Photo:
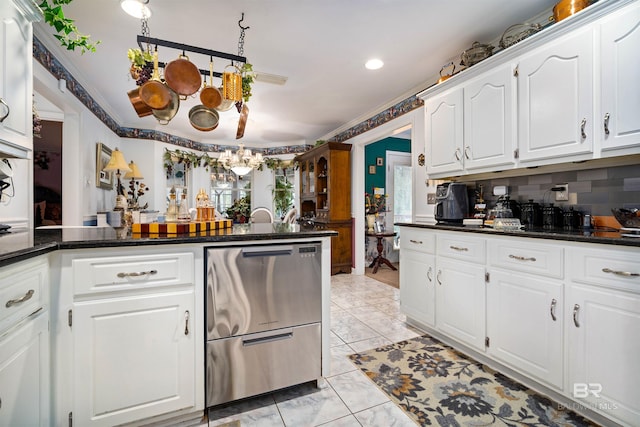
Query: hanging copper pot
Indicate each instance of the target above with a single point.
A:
(210, 96)
(182, 76)
(153, 92)
(165, 115)
(141, 108)
(566, 8)
(203, 118)
(225, 104)
(242, 122)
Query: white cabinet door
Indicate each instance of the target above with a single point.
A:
(619, 117)
(417, 290)
(444, 132)
(16, 78)
(490, 119)
(555, 99)
(525, 324)
(134, 357)
(603, 329)
(460, 301)
(24, 374)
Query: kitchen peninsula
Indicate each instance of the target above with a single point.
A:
(87, 299)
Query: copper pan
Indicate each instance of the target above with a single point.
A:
(203, 118)
(141, 108)
(165, 115)
(182, 76)
(566, 8)
(153, 93)
(210, 96)
(242, 122)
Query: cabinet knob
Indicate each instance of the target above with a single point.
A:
(466, 152)
(25, 297)
(429, 274)
(186, 322)
(620, 273)
(438, 277)
(8, 110)
(606, 124)
(457, 154)
(583, 123)
(576, 310)
(552, 309)
(138, 274)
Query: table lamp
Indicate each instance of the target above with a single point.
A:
(117, 163)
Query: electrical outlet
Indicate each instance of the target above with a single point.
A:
(562, 195)
(431, 198)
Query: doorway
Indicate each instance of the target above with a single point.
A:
(47, 174)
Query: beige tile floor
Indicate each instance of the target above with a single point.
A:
(364, 314)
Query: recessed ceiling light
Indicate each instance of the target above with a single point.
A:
(374, 64)
(136, 8)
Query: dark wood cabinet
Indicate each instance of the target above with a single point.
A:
(325, 195)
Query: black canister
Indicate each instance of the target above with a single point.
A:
(552, 216)
(531, 214)
(572, 219)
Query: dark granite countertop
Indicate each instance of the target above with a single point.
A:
(21, 244)
(600, 236)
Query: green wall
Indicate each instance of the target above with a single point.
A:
(379, 149)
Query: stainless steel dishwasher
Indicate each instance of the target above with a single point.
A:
(263, 314)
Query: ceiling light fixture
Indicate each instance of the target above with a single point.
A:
(374, 64)
(242, 161)
(136, 8)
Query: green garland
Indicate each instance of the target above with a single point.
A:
(191, 159)
(68, 34)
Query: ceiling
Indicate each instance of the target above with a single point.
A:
(320, 46)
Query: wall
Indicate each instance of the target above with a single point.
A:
(378, 150)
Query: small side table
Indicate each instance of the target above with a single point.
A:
(380, 259)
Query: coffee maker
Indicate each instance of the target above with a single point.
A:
(452, 202)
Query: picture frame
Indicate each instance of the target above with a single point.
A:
(104, 179)
(379, 161)
(372, 169)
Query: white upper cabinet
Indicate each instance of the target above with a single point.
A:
(490, 119)
(555, 98)
(619, 116)
(444, 132)
(16, 84)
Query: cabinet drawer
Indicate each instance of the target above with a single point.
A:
(528, 257)
(461, 246)
(23, 290)
(109, 274)
(420, 240)
(611, 267)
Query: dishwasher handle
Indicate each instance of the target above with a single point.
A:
(264, 252)
(267, 337)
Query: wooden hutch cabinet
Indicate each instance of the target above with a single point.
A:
(325, 195)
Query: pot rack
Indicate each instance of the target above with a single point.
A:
(188, 48)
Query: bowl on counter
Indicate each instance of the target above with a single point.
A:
(628, 218)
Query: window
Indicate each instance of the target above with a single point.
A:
(177, 178)
(283, 194)
(226, 187)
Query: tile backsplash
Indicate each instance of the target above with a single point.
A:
(592, 191)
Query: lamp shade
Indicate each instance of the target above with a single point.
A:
(134, 173)
(136, 8)
(117, 162)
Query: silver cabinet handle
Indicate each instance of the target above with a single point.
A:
(620, 273)
(8, 110)
(466, 152)
(576, 309)
(521, 258)
(417, 242)
(583, 123)
(25, 297)
(429, 274)
(186, 322)
(606, 124)
(552, 309)
(138, 274)
(458, 248)
(457, 154)
(438, 277)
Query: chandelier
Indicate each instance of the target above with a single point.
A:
(242, 161)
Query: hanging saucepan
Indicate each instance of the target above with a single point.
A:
(242, 122)
(226, 104)
(165, 115)
(210, 96)
(153, 92)
(203, 118)
(141, 108)
(182, 76)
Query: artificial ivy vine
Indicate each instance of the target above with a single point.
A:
(68, 34)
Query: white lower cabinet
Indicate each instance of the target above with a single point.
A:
(417, 289)
(133, 357)
(24, 374)
(525, 324)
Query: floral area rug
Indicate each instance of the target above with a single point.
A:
(437, 385)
